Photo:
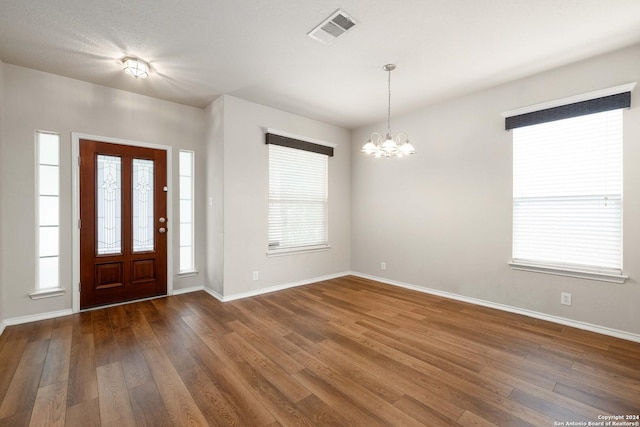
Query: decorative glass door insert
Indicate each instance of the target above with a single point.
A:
(143, 227)
(109, 205)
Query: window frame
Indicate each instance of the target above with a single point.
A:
(56, 290)
(559, 109)
(192, 270)
(297, 142)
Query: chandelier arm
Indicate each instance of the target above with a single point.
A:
(398, 137)
(376, 138)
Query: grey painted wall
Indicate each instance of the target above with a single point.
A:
(215, 195)
(35, 100)
(442, 218)
(2, 250)
(245, 196)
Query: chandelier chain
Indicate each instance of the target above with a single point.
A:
(389, 103)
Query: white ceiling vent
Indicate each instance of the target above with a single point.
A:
(332, 27)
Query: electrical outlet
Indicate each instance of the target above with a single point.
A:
(255, 275)
(565, 298)
(383, 265)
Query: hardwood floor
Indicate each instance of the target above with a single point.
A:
(343, 352)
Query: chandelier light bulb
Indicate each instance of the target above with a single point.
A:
(369, 148)
(407, 148)
(389, 145)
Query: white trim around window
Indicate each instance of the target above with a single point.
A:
(47, 170)
(567, 188)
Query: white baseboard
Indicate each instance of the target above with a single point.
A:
(214, 294)
(529, 313)
(187, 290)
(276, 288)
(34, 318)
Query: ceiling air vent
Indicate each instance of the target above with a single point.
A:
(332, 27)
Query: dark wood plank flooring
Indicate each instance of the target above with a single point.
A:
(344, 352)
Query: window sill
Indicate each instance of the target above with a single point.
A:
(188, 273)
(47, 293)
(293, 251)
(567, 271)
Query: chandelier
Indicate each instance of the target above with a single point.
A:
(391, 146)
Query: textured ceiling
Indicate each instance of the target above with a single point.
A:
(258, 49)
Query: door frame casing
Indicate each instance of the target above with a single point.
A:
(75, 195)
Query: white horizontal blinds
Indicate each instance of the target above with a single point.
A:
(567, 191)
(297, 198)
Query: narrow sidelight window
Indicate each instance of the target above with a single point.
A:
(187, 262)
(48, 190)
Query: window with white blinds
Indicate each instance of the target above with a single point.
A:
(567, 192)
(297, 199)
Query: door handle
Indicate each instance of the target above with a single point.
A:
(161, 219)
(162, 230)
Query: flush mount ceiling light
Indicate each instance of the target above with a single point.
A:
(135, 67)
(391, 146)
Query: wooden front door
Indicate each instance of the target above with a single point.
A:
(123, 223)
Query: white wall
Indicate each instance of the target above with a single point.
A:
(246, 200)
(35, 100)
(215, 195)
(2, 250)
(442, 218)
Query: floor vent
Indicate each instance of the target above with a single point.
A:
(332, 27)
